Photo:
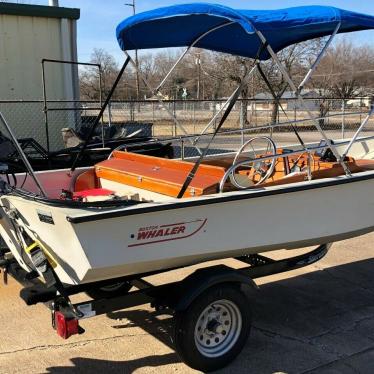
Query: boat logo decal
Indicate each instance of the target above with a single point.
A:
(164, 233)
(45, 217)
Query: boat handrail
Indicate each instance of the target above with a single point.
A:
(233, 167)
(268, 126)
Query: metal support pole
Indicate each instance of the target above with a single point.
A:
(363, 124)
(238, 91)
(102, 110)
(137, 79)
(318, 60)
(242, 121)
(101, 104)
(133, 6)
(100, 85)
(109, 114)
(45, 110)
(157, 90)
(182, 149)
(280, 105)
(44, 83)
(176, 122)
(198, 63)
(212, 121)
(302, 102)
(175, 116)
(343, 119)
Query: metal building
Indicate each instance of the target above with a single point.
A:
(28, 34)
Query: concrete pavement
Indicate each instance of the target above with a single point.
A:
(319, 319)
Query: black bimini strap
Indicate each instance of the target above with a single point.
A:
(198, 162)
(275, 97)
(233, 100)
(102, 110)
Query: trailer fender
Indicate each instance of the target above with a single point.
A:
(202, 279)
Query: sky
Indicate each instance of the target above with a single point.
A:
(99, 18)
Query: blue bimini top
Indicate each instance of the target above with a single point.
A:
(181, 25)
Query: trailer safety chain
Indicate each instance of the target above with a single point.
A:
(4, 270)
(64, 295)
(45, 264)
(4, 264)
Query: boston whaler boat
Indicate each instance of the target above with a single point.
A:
(100, 230)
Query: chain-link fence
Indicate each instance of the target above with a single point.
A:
(339, 118)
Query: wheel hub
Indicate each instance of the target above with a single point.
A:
(218, 328)
(214, 327)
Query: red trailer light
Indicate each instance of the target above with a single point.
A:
(65, 326)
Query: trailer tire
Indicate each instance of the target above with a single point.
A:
(109, 291)
(213, 330)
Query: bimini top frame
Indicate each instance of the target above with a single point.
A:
(255, 34)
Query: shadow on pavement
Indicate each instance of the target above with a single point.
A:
(320, 322)
(84, 365)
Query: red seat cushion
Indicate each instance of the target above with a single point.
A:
(93, 192)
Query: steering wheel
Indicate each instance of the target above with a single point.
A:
(261, 168)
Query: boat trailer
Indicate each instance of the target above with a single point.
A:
(225, 295)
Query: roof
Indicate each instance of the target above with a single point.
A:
(38, 11)
(307, 93)
(181, 25)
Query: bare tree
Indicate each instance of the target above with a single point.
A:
(89, 77)
(340, 74)
(220, 74)
(342, 59)
(228, 72)
(296, 59)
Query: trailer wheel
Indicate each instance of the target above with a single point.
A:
(213, 330)
(109, 291)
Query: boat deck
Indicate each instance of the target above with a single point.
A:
(148, 178)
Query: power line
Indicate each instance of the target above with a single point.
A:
(343, 73)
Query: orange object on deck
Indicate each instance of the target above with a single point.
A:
(158, 175)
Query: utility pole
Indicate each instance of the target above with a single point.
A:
(133, 6)
(198, 63)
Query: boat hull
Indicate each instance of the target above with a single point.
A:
(130, 241)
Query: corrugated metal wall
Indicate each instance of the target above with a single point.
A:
(24, 42)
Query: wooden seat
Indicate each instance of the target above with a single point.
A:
(158, 175)
(365, 164)
(325, 170)
(166, 177)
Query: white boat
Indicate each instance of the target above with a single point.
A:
(132, 214)
(100, 230)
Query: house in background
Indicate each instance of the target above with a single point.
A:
(288, 101)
